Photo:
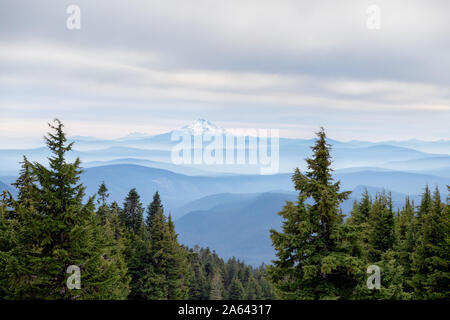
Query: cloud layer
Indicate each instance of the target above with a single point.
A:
(152, 65)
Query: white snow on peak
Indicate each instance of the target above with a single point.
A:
(202, 126)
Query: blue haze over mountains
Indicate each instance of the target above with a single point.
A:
(231, 208)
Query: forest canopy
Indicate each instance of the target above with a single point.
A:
(131, 251)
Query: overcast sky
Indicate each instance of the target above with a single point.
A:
(152, 66)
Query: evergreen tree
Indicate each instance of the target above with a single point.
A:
(216, 287)
(109, 234)
(372, 236)
(381, 227)
(314, 260)
(10, 252)
(25, 184)
(392, 281)
(153, 208)
(357, 226)
(361, 210)
(425, 206)
(198, 287)
(231, 271)
(168, 258)
(103, 211)
(145, 284)
(49, 226)
(132, 213)
(177, 273)
(57, 230)
(102, 193)
(236, 290)
(267, 291)
(214, 273)
(405, 237)
(430, 260)
(252, 290)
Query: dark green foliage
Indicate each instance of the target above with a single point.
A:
(143, 279)
(54, 229)
(322, 257)
(217, 290)
(137, 247)
(315, 260)
(361, 211)
(25, 184)
(144, 283)
(381, 227)
(153, 208)
(49, 226)
(168, 258)
(157, 264)
(132, 213)
(236, 289)
(430, 260)
(103, 194)
(9, 251)
(213, 278)
(110, 234)
(405, 237)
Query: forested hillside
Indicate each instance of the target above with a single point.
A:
(121, 255)
(130, 250)
(322, 256)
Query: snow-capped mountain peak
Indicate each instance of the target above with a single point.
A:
(202, 126)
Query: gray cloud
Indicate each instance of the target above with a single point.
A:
(284, 63)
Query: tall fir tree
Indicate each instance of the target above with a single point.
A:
(252, 290)
(144, 284)
(430, 260)
(216, 287)
(57, 230)
(109, 234)
(405, 237)
(381, 227)
(132, 213)
(178, 272)
(10, 252)
(102, 193)
(169, 260)
(313, 259)
(198, 286)
(103, 210)
(236, 289)
(361, 210)
(153, 208)
(26, 184)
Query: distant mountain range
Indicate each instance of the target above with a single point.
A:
(231, 208)
(175, 189)
(178, 189)
(233, 214)
(156, 150)
(202, 126)
(238, 224)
